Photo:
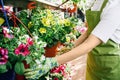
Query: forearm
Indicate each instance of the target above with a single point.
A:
(73, 54)
(80, 39)
(90, 43)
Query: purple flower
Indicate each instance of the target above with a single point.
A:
(3, 56)
(22, 49)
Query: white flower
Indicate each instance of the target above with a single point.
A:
(43, 44)
(26, 36)
(8, 30)
(37, 61)
(42, 58)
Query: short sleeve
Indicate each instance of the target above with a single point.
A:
(110, 21)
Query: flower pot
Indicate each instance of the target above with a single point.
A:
(9, 75)
(52, 51)
(22, 77)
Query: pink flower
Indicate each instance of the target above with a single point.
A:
(81, 29)
(29, 41)
(22, 49)
(62, 67)
(59, 69)
(3, 56)
(55, 70)
(6, 33)
(56, 78)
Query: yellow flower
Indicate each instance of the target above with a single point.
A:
(48, 11)
(1, 21)
(68, 39)
(66, 22)
(61, 22)
(53, 22)
(46, 22)
(30, 24)
(42, 30)
(43, 20)
(49, 16)
(49, 19)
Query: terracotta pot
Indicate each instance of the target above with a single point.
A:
(73, 10)
(52, 51)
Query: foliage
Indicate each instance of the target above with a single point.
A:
(61, 72)
(15, 47)
(76, 1)
(48, 25)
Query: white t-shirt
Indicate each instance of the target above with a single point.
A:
(109, 25)
(97, 5)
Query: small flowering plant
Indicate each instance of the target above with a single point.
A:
(48, 25)
(61, 72)
(15, 47)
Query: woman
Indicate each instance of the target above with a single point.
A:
(101, 42)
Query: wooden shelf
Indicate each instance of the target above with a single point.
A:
(46, 2)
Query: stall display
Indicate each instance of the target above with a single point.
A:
(28, 33)
(48, 25)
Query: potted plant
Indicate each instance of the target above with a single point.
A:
(48, 26)
(15, 47)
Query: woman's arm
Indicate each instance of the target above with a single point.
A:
(80, 39)
(90, 43)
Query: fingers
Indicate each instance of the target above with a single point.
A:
(34, 74)
(33, 77)
(31, 73)
(38, 70)
(28, 70)
(31, 70)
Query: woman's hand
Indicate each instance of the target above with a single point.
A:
(38, 70)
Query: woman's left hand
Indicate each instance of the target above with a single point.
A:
(38, 70)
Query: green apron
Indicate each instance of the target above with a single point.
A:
(103, 62)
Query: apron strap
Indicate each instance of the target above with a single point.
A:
(103, 5)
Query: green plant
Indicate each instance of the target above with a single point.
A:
(62, 72)
(15, 47)
(48, 25)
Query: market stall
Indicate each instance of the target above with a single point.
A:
(33, 30)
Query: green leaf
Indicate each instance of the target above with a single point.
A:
(28, 59)
(9, 65)
(12, 57)
(21, 58)
(3, 69)
(19, 68)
